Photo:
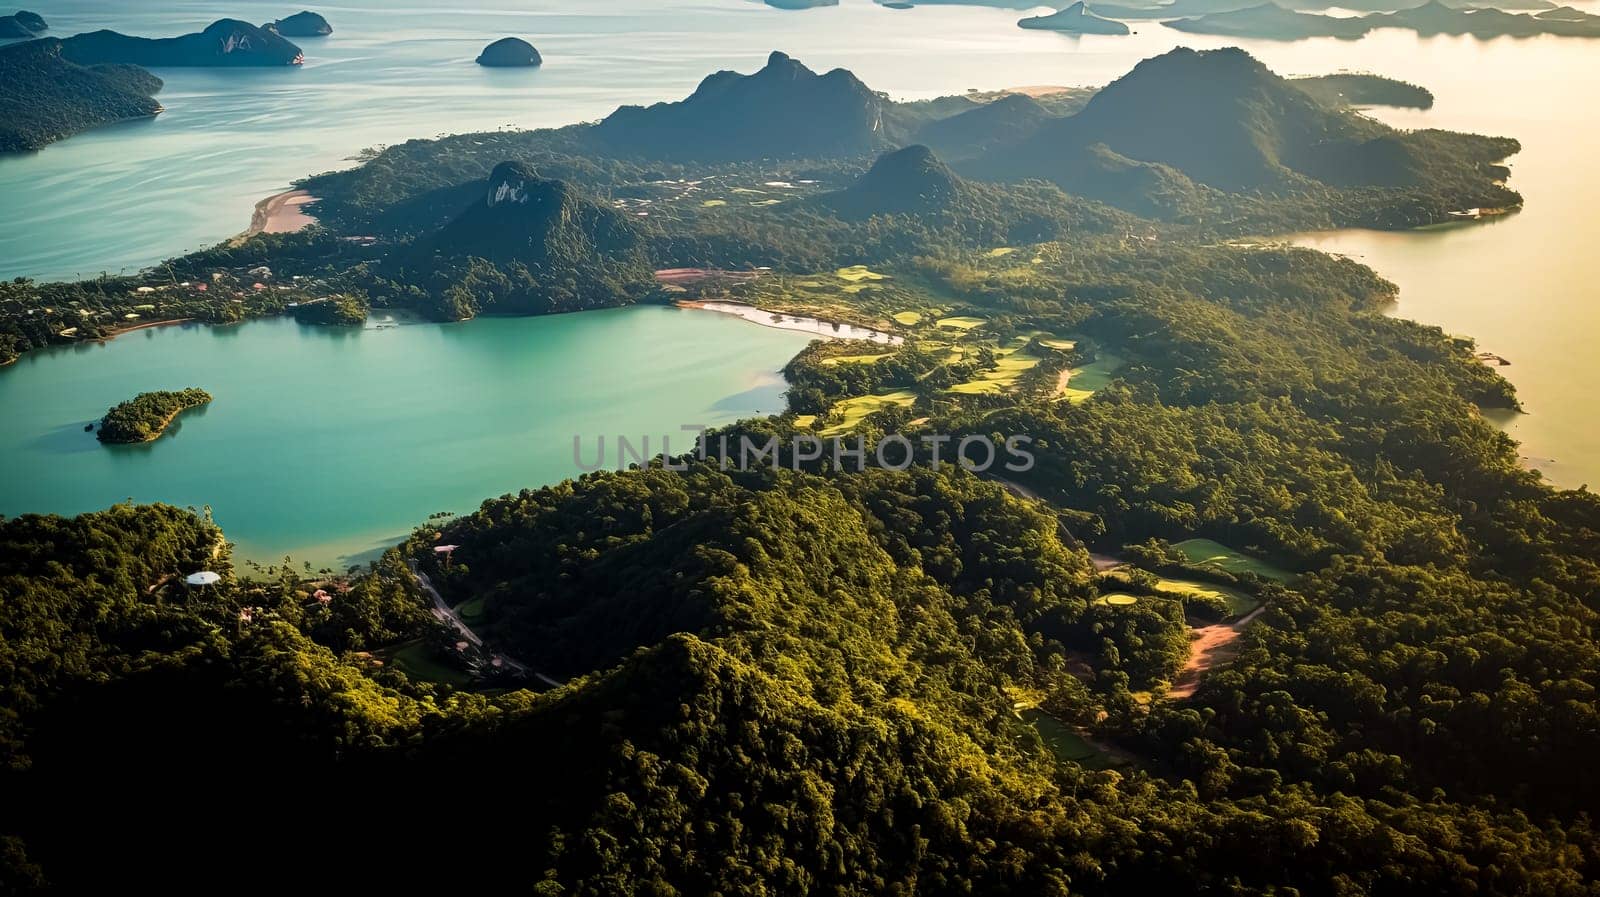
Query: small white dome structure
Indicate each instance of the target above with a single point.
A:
(203, 578)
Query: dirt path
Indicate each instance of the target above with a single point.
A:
(1211, 646)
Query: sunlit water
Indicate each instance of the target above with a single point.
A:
(327, 445)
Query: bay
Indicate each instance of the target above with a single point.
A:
(328, 443)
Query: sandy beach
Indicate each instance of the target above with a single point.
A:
(786, 321)
(282, 213)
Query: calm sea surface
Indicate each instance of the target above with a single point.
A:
(325, 444)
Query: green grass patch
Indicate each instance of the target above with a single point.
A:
(1239, 603)
(713, 203)
(855, 410)
(1091, 378)
(961, 322)
(1067, 745)
(416, 660)
(856, 273)
(907, 318)
(1117, 599)
(1060, 345)
(472, 611)
(1013, 363)
(1000, 252)
(1206, 553)
(748, 191)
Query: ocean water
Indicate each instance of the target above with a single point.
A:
(131, 194)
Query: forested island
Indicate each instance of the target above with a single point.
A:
(48, 98)
(1075, 19)
(23, 24)
(302, 24)
(225, 42)
(1276, 610)
(510, 52)
(1269, 20)
(147, 415)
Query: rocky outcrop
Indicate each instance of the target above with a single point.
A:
(302, 24)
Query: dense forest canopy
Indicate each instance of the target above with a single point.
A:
(826, 679)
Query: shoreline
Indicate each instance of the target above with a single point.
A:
(145, 326)
(280, 213)
(787, 321)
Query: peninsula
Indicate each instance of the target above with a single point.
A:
(48, 98)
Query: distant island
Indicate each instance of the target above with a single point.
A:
(1075, 19)
(510, 52)
(800, 4)
(147, 415)
(225, 42)
(301, 24)
(22, 24)
(1269, 20)
(1273, 22)
(48, 98)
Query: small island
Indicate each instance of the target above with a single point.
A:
(510, 52)
(302, 24)
(147, 415)
(22, 24)
(1075, 19)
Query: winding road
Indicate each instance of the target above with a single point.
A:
(448, 615)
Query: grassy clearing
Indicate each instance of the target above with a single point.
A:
(1067, 745)
(1001, 252)
(1012, 364)
(855, 410)
(1086, 381)
(856, 273)
(1060, 345)
(713, 203)
(416, 660)
(907, 318)
(1117, 599)
(472, 611)
(1239, 603)
(1206, 553)
(961, 322)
